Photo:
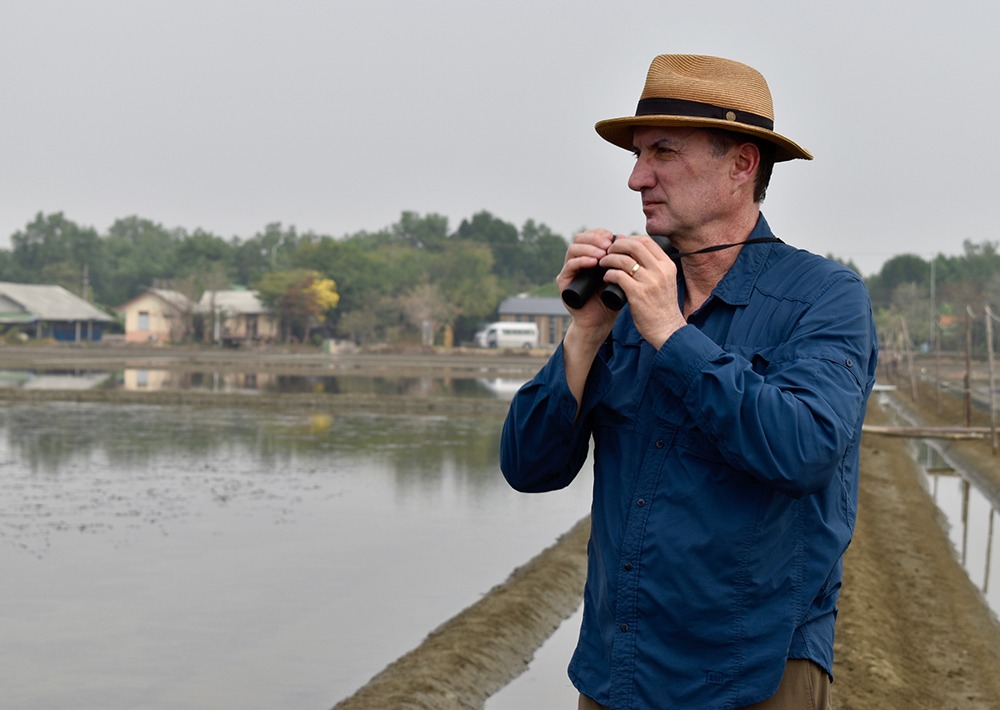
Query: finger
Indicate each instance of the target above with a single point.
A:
(622, 262)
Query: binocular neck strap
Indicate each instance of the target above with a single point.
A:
(720, 247)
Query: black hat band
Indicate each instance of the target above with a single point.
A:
(696, 109)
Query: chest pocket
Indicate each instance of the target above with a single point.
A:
(695, 464)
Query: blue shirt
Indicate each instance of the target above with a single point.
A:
(725, 482)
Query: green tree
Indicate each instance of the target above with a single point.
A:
(503, 240)
(357, 270)
(204, 252)
(140, 254)
(273, 249)
(464, 275)
(53, 249)
(899, 270)
(427, 232)
(543, 253)
(301, 297)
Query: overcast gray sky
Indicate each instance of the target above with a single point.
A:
(336, 116)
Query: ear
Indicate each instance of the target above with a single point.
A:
(746, 159)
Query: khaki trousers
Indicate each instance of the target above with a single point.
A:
(804, 686)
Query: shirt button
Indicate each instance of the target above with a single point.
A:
(659, 443)
(624, 627)
(849, 362)
(628, 566)
(641, 502)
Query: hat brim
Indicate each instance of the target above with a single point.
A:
(619, 132)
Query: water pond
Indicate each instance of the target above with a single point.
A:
(177, 557)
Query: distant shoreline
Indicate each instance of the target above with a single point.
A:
(470, 362)
(274, 361)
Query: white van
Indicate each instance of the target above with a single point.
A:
(510, 334)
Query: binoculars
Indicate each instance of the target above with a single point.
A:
(586, 283)
(589, 281)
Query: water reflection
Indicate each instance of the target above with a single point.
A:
(970, 517)
(53, 380)
(178, 557)
(58, 439)
(135, 379)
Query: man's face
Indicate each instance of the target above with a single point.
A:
(685, 187)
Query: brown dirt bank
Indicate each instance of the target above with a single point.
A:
(479, 651)
(913, 630)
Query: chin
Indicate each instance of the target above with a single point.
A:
(657, 229)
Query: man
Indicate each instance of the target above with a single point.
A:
(725, 405)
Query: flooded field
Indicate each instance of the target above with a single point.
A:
(210, 529)
(969, 514)
(178, 557)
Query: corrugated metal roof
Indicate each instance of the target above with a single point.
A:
(235, 302)
(49, 303)
(532, 306)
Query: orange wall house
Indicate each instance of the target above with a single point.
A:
(157, 316)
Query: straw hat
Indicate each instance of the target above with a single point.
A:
(703, 92)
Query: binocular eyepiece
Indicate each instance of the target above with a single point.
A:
(589, 281)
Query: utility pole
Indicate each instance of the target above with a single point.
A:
(85, 286)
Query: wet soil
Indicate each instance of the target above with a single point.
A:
(913, 630)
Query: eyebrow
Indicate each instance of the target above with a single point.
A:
(664, 142)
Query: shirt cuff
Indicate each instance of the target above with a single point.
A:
(683, 357)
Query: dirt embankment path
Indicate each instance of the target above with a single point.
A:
(913, 631)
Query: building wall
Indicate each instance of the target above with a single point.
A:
(551, 328)
(160, 325)
(255, 326)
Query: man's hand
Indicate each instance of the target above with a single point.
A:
(586, 251)
(591, 322)
(649, 278)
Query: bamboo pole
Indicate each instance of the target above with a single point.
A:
(989, 553)
(993, 386)
(909, 359)
(967, 379)
(935, 340)
(928, 432)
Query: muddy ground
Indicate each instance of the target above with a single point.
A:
(913, 631)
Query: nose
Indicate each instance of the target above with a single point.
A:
(641, 177)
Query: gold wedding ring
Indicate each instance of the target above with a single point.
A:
(634, 269)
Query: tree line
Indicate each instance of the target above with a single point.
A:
(415, 276)
(933, 296)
